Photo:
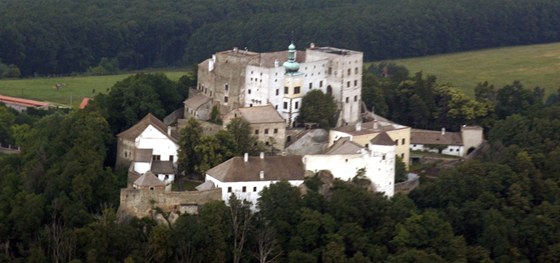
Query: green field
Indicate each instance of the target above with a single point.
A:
(535, 65)
(75, 89)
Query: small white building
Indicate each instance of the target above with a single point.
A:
(345, 158)
(149, 145)
(450, 143)
(246, 176)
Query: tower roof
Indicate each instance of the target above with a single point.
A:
(382, 139)
(291, 64)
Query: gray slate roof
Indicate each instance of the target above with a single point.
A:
(163, 167)
(344, 146)
(428, 137)
(382, 139)
(259, 114)
(275, 168)
(148, 179)
(196, 101)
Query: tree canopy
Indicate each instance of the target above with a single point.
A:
(38, 40)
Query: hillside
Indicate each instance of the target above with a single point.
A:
(533, 65)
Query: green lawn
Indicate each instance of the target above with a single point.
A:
(75, 89)
(534, 65)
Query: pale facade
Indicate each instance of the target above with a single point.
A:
(363, 133)
(240, 78)
(245, 177)
(149, 145)
(344, 162)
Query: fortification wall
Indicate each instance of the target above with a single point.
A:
(141, 203)
(408, 185)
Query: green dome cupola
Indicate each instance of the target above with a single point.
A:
(291, 65)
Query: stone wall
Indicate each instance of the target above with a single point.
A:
(141, 203)
(408, 185)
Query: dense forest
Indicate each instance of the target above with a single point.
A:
(59, 196)
(66, 36)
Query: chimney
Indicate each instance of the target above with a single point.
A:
(169, 130)
(276, 63)
(442, 131)
(312, 45)
(262, 155)
(375, 125)
(359, 126)
(261, 175)
(246, 157)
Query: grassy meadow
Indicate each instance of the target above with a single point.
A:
(534, 65)
(75, 88)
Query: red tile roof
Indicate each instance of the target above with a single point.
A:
(23, 102)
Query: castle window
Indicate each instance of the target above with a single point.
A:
(229, 189)
(254, 188)
(356, 70)
(249, 91)
(397, 142)
(225, 99)
(286, 90)
(383, 157)
(402, 141)
(347, 99)
(156, 157)
(355, 83)
(348, 84)
(244, 189)
(171, 158)
(265, 131)
(296, 90)
(330, 71)
(402, 156)
(297, 105)
(277, 92)
(310, 85)
(275, 107)
(285, 105)
(226, 87)
(275, 130)
(356, 98)
(256, 131)
(321, 83)
(349, 72)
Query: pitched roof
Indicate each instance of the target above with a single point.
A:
(137, 129)
(344, 146)
(163, 167)
(369, 127)
(195, 101)
(418, 136)
(382, 139)
(148, 179)
(205, 186)
(259, 114)
(275, 168)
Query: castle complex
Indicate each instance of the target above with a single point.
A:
(240, 78)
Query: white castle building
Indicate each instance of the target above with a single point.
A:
(240, 78)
